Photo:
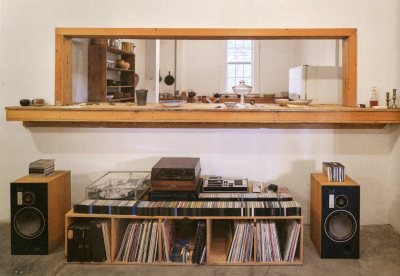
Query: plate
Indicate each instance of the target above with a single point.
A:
(171, 103)
(285, 102)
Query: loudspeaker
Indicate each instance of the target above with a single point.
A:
(38, 206)
(335, 217)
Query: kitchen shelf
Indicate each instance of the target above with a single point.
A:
(202, 115)
(119, 69)
(98, 72)
(122, 99)
(118, 51)
(120, 86)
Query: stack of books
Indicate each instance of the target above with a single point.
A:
(41, 167)
(334, 170)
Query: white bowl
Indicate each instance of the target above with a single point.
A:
(285, 102)
(230, 104)
(171, 103)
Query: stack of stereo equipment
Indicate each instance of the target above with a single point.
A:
(175, 178)
(225, 184)
(120, 185)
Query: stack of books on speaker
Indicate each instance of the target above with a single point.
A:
(335, 171)
(41, 167)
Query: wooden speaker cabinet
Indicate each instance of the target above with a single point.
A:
(335, 217)
(38, 207)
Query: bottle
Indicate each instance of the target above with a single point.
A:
(374, 101)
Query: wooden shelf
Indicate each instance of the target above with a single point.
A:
(119, 52)
(119, 69)
(120, 86)
(121, 99)
(216, 243)
(202, 115)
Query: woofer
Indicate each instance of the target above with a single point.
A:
(340, 226)
(29, 222)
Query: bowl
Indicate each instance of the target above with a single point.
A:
(230, 104)
(269, 96)
(171, 103)
(285, 102)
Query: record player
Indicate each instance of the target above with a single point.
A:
(176, 174)
(120, 185)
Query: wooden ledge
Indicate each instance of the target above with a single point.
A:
(202, 116)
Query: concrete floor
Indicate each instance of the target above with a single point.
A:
(380, 255)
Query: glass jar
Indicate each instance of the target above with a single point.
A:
(374, 100)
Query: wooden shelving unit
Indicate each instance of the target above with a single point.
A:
(202, 115)
(215, 239)
(98, 72)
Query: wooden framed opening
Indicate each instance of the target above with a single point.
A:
(64, 36)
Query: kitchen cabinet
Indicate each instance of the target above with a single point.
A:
(120, 86)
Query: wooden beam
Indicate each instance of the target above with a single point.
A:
(349, 65)
(202, 33)
(201, 115)
(63, 70)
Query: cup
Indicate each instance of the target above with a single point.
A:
(141, 97)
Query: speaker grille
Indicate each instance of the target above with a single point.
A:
(29, 222)
(340, 226)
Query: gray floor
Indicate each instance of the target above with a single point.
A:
(380, 255)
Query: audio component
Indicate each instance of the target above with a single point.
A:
(176, 174)
(335, 217)
(38, 206)
(225, 184)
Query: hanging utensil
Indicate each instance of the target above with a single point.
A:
(169, 80)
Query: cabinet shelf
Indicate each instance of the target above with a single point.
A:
(120, 86)
(119, 52)
(120, 69)
(122, 99)
(98, 72)
(215, 243)
(202, 115)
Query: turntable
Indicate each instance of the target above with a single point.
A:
(120, 185)
(176, 174)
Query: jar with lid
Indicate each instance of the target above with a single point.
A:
(374, 100)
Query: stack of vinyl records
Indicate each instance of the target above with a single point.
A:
(140, 242)
(185, 247)
(199, 250)
(182, 251)
(166, 235)
(89, 241)
(41, 167)
(268, 249)
(241, 248)
(293, 233)
(334, 170)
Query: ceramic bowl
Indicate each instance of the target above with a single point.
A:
(230, 104)
(171, 103)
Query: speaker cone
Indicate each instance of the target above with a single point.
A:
(29, 222)
(340, 226)
(341, 201)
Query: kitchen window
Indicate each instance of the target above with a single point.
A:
(239, 62)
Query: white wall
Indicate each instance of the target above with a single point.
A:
(285, 157)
